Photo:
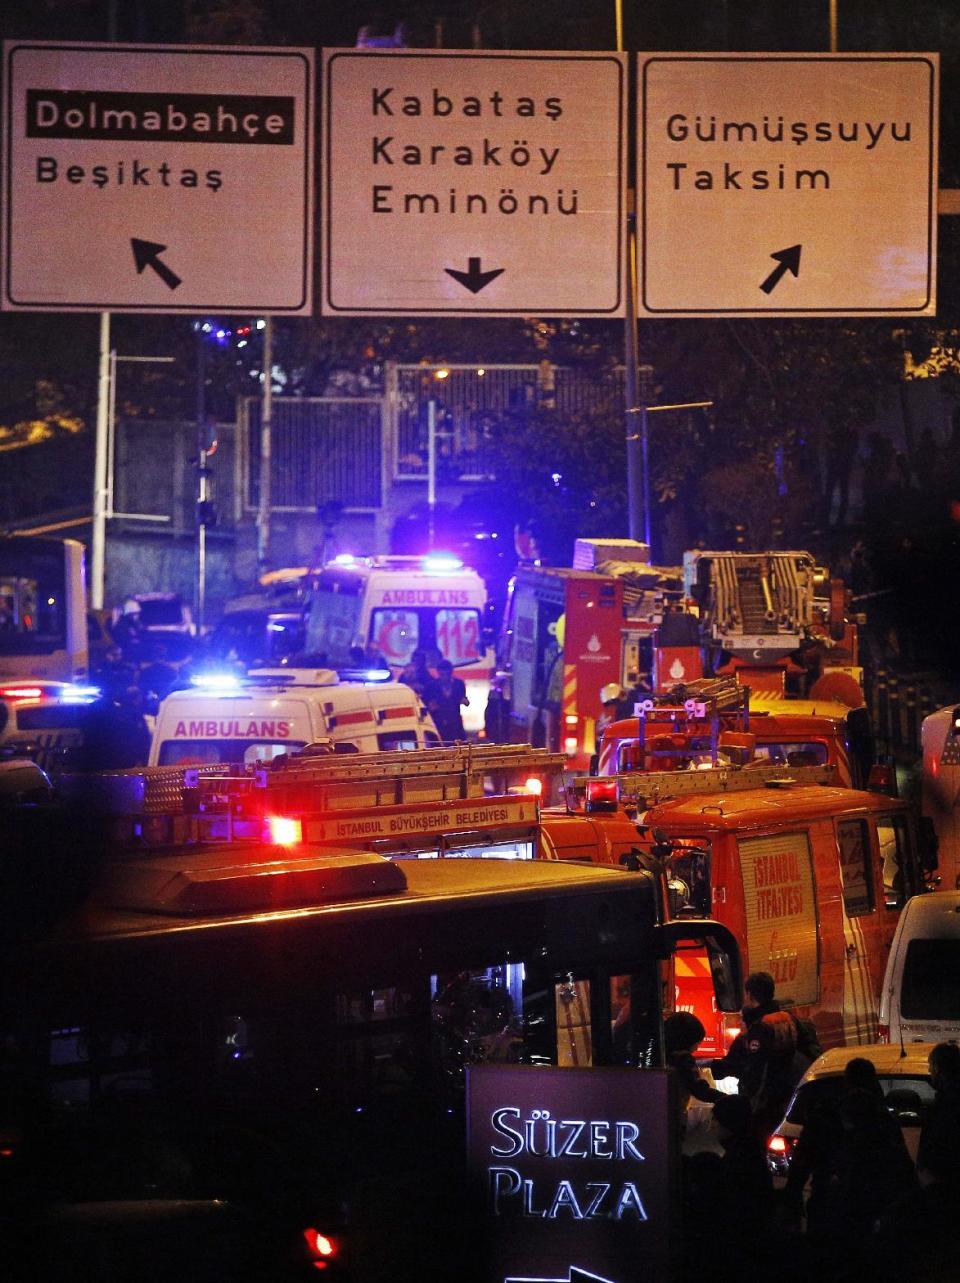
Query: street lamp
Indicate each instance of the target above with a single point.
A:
(644, 410)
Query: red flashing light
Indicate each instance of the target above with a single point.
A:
(21, 692)
(777, 1145)
(284, 831)
(602, 795)
(320, 1247)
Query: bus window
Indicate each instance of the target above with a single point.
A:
(854, 839)
(32, 599)
(894, 847)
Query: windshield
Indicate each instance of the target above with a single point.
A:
(32, 599)
(163, 613)
(907, 1098)
(931, 980)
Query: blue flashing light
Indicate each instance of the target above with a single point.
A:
(80, 694)
(344, 559)
(364, 674)
(215, 681)
(441, 563)
(276, 628)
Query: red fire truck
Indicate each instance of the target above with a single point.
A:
(810, 878)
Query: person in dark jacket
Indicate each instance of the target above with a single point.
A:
(682, 1035)
(764, 1058)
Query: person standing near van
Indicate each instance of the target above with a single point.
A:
(938, 1154)
(445, 696)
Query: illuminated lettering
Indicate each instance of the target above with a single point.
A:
(596, 1201)
(546, 1137)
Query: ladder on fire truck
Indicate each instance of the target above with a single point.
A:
(639, 791)
(158, 806)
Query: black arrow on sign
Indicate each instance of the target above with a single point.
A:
(788, 260)
(147, 254)
(473, 278)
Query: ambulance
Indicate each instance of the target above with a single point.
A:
(270, 712)
(390, 607)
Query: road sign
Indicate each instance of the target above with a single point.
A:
(780, 185)
(468, 183)
(157, 179)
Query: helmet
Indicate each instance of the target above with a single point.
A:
(610, 693)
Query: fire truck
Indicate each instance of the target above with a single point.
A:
(612, 617)
(809, 877)
(569, 631)
(702, 721)
(755, 611)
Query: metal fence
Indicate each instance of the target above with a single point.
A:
(349, 450)
(152, 482)
(471, 402)
(324, 449)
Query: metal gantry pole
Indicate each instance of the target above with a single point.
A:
(431, 470)
(266, 450)
(98, 541)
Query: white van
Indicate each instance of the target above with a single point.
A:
(920, 1000)
(260, 716)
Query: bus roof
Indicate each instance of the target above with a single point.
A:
(223, 887)
(758, 808)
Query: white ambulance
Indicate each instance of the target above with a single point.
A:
(258, 717)
(393, 606)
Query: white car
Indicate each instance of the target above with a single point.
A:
(903, 1073)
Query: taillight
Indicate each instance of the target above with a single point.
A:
(602, 795)
(779, 1149)
(283, 831)
(883, 1033)
(320, 1247)
(570, 745)
(17, 693)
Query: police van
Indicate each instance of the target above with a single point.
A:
(256, 718)
(44, 720)
(393, 606)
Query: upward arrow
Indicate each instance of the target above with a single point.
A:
(147, 254)
(473, 278)
(788, 260)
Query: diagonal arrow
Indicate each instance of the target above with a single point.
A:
(574, 1275)
(473, 278)
(147, 254)
(788, 260)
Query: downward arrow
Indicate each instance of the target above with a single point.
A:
(147, 254)
(788, 260)
(473, 278)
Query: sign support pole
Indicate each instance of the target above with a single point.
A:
(431, 468)
(266, 450)
(99, 536)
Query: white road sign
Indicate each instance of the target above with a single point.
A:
(157, 179)
(467, 183)
(801, 184)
